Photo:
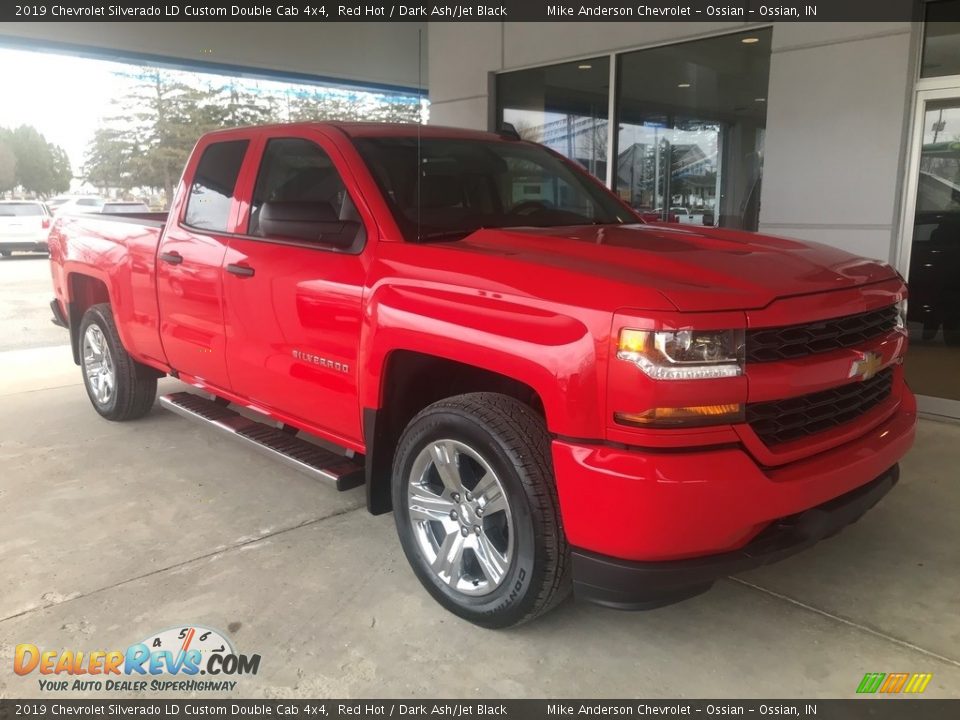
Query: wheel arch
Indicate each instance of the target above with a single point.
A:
(411, 381)
(84, 291)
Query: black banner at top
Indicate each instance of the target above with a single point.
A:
(492, 11)
(434, 709)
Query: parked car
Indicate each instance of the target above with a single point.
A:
(686, 216)
(549, 394)
(111, 207)
(654, 216)
(79, 205)
(24, 225)
(54, 203)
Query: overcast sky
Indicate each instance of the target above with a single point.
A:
(61, 96)
(66, 97)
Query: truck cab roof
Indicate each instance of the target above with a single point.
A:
(373, 130)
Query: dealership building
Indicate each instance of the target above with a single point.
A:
(842, 133)
(415, 383)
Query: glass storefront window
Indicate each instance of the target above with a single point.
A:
(691, 117)
(691, 126)
(563, 107)
(933, 312)
(941, 39)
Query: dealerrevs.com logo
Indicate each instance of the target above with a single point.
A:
(170, 660)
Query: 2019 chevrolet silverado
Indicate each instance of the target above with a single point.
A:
(546, 391)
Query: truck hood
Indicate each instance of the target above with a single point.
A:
(694, 269)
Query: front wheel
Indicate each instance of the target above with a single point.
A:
(119, 387)
(477, 512)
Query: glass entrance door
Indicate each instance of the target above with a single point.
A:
(930, 250)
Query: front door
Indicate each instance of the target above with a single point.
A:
(930, 253)
(189, 266)
(293, 284)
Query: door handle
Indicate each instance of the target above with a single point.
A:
(240, 270)
(174, 258)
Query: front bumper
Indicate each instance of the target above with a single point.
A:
(635, 515)
(627, 585)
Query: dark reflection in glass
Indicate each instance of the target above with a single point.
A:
(933, 315)
(941, 39)
(691, 129)
(563, 107)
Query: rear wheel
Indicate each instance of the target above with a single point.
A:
(119, 387)
(477, 512)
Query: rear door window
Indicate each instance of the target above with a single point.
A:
(213, 186)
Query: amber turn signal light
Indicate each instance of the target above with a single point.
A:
(691, 416)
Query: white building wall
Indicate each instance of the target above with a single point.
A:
(836, 120)
(837, 109)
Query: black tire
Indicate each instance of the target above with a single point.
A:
(513, 441)
(135, 385)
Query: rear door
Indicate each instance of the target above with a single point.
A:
(293, 283)
(190, 260)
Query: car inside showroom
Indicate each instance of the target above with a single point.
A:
(462, 360)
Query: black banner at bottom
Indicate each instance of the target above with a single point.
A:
(874, 708)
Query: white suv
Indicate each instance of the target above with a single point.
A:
(24, 225)
(77, 205)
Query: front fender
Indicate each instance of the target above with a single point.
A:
(560, 355)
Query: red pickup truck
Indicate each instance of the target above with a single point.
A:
(548, 392)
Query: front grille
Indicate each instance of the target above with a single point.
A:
(781, 420)
(793, 341)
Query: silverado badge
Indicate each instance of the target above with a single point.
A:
(867, 366)
(321, 361)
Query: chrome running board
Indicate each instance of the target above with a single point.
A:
(337, 470)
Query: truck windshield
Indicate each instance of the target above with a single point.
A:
(465, 185)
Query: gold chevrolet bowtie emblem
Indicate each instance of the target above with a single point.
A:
(867, 366)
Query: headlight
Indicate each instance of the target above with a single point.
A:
(683, 354)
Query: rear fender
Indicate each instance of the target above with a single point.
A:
(101, 261)
(84, 289)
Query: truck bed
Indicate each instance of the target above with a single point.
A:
(145, 218)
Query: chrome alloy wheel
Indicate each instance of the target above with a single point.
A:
(460, 517)
(98, 365)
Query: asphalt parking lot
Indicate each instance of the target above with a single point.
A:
(110, 532)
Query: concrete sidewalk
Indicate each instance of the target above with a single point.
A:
(111, 532)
